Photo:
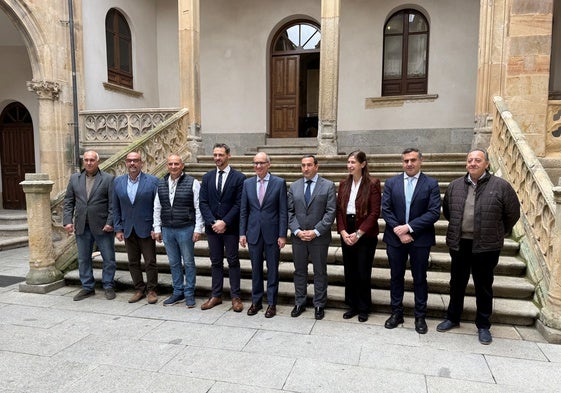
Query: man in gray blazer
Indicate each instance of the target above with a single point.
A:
(88, 214)
(311, 211)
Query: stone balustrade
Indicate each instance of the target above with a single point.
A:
(513, 158)
(109, 131)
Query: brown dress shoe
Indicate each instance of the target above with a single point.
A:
(137, 296)
(271, 311)
(210, 303)
(237, 304)
(254, 309)
(152, 297)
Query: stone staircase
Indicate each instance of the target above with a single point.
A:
(13, 229)
(513, 291)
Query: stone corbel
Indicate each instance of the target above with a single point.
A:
(46, 90)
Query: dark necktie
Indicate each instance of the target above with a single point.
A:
(308, 192)
(219, 186)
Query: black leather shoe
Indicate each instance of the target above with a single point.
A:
(421, 325)
(362, 317)
(320, 313)
(349, 314)
(446, 325)
(394, 321)
(297, 310)
(485, 337)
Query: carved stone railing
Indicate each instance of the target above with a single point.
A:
(108, 131)
(170, 136)
(514, 158)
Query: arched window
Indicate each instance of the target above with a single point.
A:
(406, 53)
(119, 49)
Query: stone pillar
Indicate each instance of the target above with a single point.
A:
(43, 275)
(189, 79)
(328, 77)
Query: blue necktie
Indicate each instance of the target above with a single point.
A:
(408, 197)
(219, 187)
(308, 192)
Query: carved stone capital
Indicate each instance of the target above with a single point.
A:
(46, 90)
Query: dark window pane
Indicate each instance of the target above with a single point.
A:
(393, 57)
(416, 56)
(395, 25)
(417, 23)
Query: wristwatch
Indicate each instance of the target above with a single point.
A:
(358, 235)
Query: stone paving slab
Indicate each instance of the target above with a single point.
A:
(122, 379)
(523, 373)
(315, 376)
(199, 335)
(234, 367)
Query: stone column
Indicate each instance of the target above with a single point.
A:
(189, 79)
(328, 77)
(43, 275)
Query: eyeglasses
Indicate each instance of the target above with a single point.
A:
(260, 163)
(135, 161)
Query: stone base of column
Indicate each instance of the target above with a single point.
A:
(550, 334)
(41, 288)
(42, 276)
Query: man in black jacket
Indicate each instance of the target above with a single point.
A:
(481, 209)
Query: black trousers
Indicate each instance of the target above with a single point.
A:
(357, 263)
(482, 266)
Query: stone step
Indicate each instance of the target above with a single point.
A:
(13, 229)
(511, 311)
(505, 285)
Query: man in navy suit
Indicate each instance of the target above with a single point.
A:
(133, 212)
(220, 198)
(263, 226)
(311, 211)
(410, 207)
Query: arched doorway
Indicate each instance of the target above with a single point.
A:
(17, 155)
(294, 89)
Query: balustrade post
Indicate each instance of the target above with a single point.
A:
(550, 319)
(43, 276)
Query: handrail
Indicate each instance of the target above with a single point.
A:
(512, 156)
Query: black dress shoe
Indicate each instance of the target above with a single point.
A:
(362, 317)
(394, 321)
(320, 313)
(446, 325)
(421, 325)
(297, 310)
(349, 314)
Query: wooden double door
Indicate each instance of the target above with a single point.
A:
(17, 155)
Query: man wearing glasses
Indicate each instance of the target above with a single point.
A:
(263, 226)
(133, 211)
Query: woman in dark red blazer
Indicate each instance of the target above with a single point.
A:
(358, 209)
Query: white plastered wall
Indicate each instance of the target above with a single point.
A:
(235, 45)
(153, 26)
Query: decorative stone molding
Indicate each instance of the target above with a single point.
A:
(120, 126)
(46, 90)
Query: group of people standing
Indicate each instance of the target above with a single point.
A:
(258, 211)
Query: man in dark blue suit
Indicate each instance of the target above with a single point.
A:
(263, 225)
(410, 207)
(133, 211)
(220, 198)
